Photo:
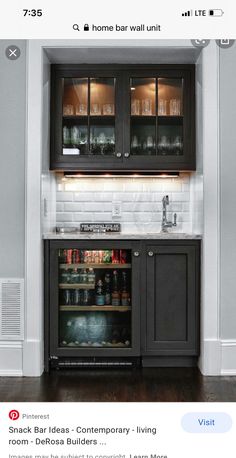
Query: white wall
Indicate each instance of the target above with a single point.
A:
(12, 184)
(228, 208)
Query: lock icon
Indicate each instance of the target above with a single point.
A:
(86, 27)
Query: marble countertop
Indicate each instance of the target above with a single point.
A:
(121, 236)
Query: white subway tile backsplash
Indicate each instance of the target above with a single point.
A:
(103, 217)
(103, 197)
(142, 197)
(180, 196)
(185, 206)
(113, 184)
(64, 217)
(124, 196)
(84, 196)
(185, 187)
(90, 200)
(132, 184)
(83, 217)
(74, 207)
(60, 207)
(64, 196)
(175, 207)
(171, 185)
(95, 206)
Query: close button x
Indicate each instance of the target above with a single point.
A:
(12, 52)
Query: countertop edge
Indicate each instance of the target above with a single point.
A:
(120, 236)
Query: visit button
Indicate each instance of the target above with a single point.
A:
(206, 422)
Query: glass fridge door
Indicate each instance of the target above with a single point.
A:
(95, 298)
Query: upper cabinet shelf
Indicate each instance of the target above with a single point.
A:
(123, 118)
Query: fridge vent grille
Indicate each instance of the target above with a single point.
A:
(95, 364)
(11, 309)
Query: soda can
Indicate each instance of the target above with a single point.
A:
(68, 256)
(107, 256)
(115, 256)
(62, 256)
(123, 256)
(81, 255)
(75, 256)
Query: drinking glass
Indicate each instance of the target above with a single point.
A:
(175, 107)
(75, 135)
(146, 107)
(150, 142)
(134, 142)
(81, 109)
(164, 145)
(66, 136)
(102, 138)
(135, 107)
(108, 109)
(95, 109)
(162, 107)
(177, 145)
(68, 110)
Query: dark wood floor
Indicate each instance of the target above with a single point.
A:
(137, 385)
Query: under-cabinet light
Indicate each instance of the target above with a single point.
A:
(114, 174)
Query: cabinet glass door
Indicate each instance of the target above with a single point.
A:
(94, 298)
(143, 116)
(88, 116)
(156, 116)
(170, 117)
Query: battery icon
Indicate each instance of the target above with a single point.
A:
(216, 13)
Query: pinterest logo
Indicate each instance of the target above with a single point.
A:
(14, 414)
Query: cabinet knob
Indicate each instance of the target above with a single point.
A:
(118, 155)
(127, 154)
(136, 253)
(150, 253)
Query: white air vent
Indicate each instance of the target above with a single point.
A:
(11, 309)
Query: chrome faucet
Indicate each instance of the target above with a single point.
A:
(165, 224)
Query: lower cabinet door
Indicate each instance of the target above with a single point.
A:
(172, 307)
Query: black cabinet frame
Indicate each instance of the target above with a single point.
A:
(126, 162)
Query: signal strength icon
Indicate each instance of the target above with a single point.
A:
(188, 13)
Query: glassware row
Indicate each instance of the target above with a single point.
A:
(76, 256)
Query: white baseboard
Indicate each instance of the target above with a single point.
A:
(218, 357)
(10, 373)
(228, 357)
(210, 359)
(11, 359)
(33, 365)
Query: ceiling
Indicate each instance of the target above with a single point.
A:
(173, 52)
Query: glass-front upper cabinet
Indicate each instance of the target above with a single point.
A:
(88, 123)
(161, 120)
(156, 116)
(129, 118)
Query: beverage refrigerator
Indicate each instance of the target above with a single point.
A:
(92, 303)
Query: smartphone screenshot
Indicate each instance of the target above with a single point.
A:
(117, 229)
